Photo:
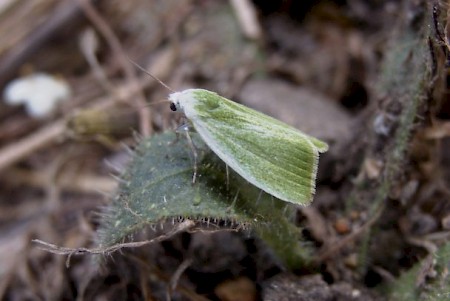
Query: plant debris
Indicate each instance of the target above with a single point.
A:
(368, 77)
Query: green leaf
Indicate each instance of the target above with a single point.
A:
(409, 286)
(157, 187)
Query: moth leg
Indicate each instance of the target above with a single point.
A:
(259, 197)
(182, 128)
(186, 129)
(233, 204)
(228, 177)
(194, 153)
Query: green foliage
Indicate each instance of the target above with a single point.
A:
(404, 74)
(436, 277)
(157, 187)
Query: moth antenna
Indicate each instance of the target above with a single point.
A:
(151, 75)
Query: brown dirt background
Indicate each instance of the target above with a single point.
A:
(313, 64)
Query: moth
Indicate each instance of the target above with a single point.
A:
(268, 153)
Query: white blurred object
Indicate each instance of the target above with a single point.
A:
(39, 92)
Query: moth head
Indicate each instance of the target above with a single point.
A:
(183, 100)
(176, 101)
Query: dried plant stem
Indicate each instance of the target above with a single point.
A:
(183, 226)
(87, 183)
(246, 15)
(105, 30)
(25, 146)
(16, 151)
(349, 238)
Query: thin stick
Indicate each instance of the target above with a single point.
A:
(16, 151)
(105, 30)
(247, 18)
(52, 248)
(346, 240)
(176, 277)
(25, 146)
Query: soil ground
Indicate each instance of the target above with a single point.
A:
(381, 210)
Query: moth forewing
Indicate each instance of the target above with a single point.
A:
(271, 155)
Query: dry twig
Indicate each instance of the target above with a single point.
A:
(87, 183)
(176, 277)
(246, 15)
(14, 152)
(352, 236)
(105, 30)
(183, 226)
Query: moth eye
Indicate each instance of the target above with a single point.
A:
(173, 107)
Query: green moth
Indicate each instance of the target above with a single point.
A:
(268, 153)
